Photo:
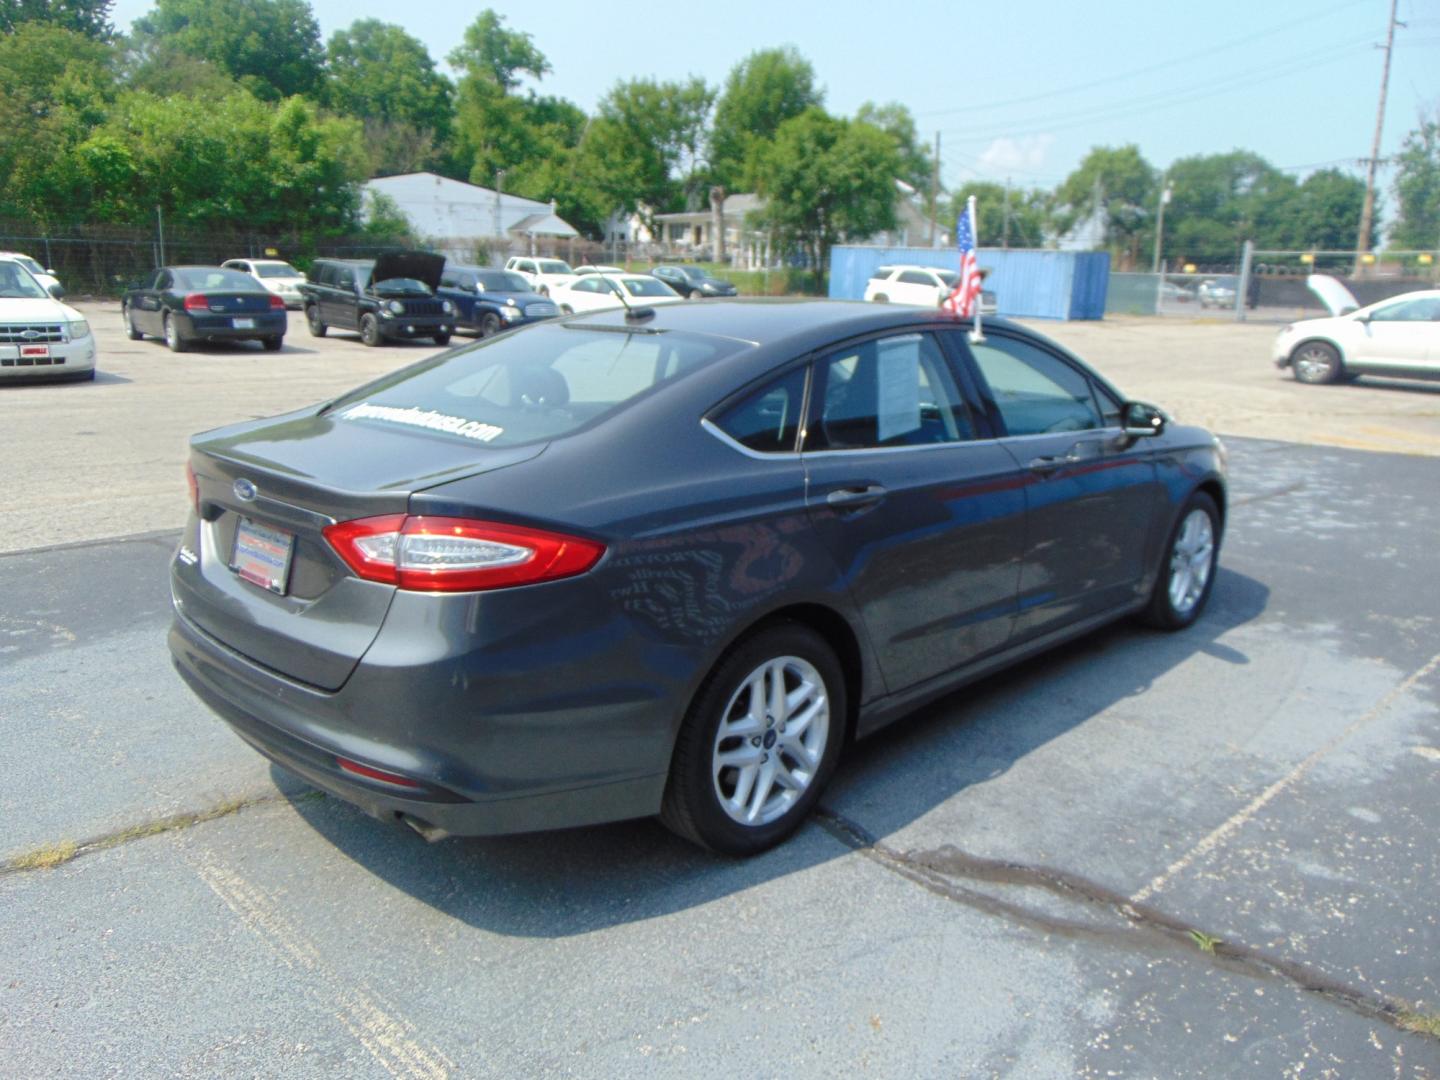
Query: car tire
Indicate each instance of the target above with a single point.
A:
(566, 309)
(369, 330)
(489, 324)
(1317, 362)
(273, 344)
(441, 339)
(724, 791)
(881, 298)
(1187, 567)
(130, 331)
(544, 290)
(312, 320)
(173, 338)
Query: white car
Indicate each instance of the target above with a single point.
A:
(278, 277)
(542, 274)
(923, 286)
(46, 277)
(38, 334)
(600, 292)
(1398, 337)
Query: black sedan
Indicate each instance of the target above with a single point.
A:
(488, 301)
(184, 304)
(691, 281)
(670, 562)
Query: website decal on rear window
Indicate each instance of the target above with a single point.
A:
(425, 418)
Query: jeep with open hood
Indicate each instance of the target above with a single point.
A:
(388, 298)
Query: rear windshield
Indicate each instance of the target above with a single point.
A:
(648, 287)
(205, 277)
(535, 385)
(276, 270)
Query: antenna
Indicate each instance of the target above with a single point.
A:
(632, 314)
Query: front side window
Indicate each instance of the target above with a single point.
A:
(1036, 392)
(888, 392)
(768, 420)
(1421, 309)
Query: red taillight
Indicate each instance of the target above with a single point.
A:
(194, 486)
(197, 302)
(441, 554)
(276, 304)
(374, 774)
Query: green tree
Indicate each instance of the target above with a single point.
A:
(761, 92)
(88, 17)
(1114, 186)
(1321, 212)
(825, 181)
(917, 165)
(272, 47)
(643, 149)
(56, 85)
(496, 128)
(1221, 200)
(386, 78)
(1011, 217)
(1417, 189)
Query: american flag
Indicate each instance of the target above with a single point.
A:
(963, 299)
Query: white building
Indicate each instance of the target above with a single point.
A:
(458, 218)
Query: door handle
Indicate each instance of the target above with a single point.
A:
(854, 498)
(1050, 463)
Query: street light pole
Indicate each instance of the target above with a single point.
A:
(1160, 223)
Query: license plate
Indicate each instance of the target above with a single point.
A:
(262, 555)
(35, 350)
(244, 324)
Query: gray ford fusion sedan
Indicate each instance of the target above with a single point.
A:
(671, 561)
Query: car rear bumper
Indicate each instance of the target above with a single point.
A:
(223, 328)
(307, 731)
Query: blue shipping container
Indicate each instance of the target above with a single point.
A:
(1032, 284)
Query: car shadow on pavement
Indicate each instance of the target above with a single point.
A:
(572, 882)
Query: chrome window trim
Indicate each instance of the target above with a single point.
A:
(734, 444)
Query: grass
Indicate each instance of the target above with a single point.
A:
(1420, 1023)
(1204, 941)
(45, 857)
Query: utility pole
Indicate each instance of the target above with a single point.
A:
(1160, 221)
(1367, 215)
(1005, 225)
(934, 187)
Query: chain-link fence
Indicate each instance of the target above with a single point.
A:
(1268, 286)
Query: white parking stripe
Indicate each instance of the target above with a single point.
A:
(1223, 832)
(388, 1038)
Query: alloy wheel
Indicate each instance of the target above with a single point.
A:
(770, 741)
(1191, 561)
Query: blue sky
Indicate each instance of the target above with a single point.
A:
(1017, 90)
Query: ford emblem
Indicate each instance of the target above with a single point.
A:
(244, 490)
(31, 335)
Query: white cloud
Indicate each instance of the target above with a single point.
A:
(1025, 154)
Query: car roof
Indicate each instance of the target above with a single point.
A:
(764, 322)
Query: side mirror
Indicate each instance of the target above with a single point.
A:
(49, 271)
(1142, 420)
(57, 291)
(1365, 318)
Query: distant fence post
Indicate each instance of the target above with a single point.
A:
(1242, 290)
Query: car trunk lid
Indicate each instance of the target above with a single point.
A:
(267, 491)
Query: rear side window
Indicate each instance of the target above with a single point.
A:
(526, 387)
(325, 274)
(915, 277)
(768, 420)
(1036, 392)
(889, 392)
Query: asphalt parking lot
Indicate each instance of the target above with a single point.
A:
(1209, 853)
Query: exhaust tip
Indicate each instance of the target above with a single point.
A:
(431, 833)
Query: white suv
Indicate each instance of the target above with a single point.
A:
(924, 286)
(38, 334)
(543, 274)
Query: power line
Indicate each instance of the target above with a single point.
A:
(1244, 40)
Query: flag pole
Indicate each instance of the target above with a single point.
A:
(977, 335)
